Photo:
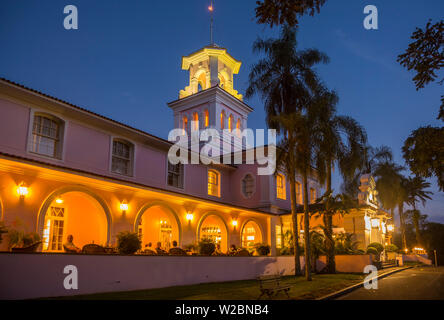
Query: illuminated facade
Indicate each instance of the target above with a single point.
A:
(65, 170)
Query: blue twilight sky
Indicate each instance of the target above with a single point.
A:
(124, 60)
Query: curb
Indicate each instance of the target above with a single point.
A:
(342, 292)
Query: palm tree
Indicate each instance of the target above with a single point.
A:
(367, 163)
(286, 163)
(284, 79)
(388, 179)
(416, 192)
(332, 149)
(301, 130)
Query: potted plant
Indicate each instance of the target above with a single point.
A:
(262, 249)
(128, 242)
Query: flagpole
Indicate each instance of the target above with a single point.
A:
(211, 23)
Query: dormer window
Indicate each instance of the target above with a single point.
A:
(122, 157)
(47, 134)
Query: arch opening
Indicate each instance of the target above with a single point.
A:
(213, 227)
(158, 224)
(251, 235)
(74, 213)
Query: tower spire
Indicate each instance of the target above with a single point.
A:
(211, 9)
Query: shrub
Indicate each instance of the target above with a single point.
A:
(128, 242)
(372, 250)
(262, 249)
(377, 246)
(191, 247)
(206, 247)
(286, 251)
(391, 248)
(30, 238)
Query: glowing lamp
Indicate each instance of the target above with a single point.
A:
(190, 216)
(210, 8)
(250, 238)
(22, 190)
(375, 223)
(59, 200)
(234, 223)
(124, 206)
(390, 228)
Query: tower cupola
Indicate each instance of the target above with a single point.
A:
(209, 67)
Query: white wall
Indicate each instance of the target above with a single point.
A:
(24, 276)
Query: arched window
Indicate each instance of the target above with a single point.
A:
(213, 183)
(248, 185)
(222, 81)
(122, 157)
(185, 123)
(207, 118)
(280, 186)
(230, 123)
(222, 120)
(196, 121)
(47, 135)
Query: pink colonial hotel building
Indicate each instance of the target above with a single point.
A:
(67, 170)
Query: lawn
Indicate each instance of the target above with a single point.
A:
(235, 290)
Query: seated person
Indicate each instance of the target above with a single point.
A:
(69, 245)
(233, 250)
(149, 248)
(218, 251)
(159, 250)
(176, 251)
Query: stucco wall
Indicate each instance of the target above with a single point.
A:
(24, 276)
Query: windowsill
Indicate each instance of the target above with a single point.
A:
(45, 156)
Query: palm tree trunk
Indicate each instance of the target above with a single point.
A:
(294, 216)
(402, 222)
(306, 228)
(416, 216)
(329, 242)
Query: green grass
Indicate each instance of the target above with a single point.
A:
(235, 290)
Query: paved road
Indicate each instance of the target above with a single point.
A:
(422, 283)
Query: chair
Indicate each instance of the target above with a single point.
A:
(32, 248)
(149, 252)
(177, 252)
(242, 253)
(93, 249)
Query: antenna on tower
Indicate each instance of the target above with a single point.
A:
(211, 9)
